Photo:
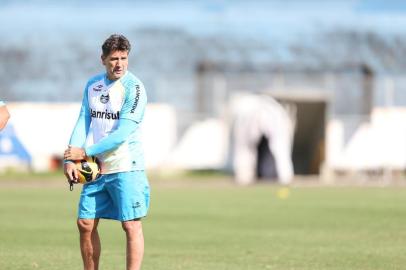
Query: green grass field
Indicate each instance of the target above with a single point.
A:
(203, 225)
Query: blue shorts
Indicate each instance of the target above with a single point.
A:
(121, 196)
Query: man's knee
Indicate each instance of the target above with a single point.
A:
(86, 225)
(132, 226)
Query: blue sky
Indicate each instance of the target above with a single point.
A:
(281, 20)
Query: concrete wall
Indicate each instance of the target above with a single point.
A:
(378, 143)
(45, 128)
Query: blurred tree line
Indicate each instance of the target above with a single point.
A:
(41, 69)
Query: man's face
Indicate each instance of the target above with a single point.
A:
(116, 64)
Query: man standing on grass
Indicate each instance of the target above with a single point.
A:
(4, 115)
(112, 110)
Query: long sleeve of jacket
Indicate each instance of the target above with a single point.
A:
(81, 129)
(113, 140)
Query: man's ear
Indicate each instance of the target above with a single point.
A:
(102, 57)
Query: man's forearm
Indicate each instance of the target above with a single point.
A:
(113, 140)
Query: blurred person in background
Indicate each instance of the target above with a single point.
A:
(4, 115)
(112, 110)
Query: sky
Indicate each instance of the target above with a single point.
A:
(281, 20)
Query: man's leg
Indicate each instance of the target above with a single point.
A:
(135, 243)
(89, 243)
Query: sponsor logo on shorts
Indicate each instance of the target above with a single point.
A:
(104, 115)
(136, 205)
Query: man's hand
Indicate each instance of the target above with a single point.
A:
(70, 171)
(74, 153)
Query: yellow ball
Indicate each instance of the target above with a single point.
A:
(283, 193)
(88, 169)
